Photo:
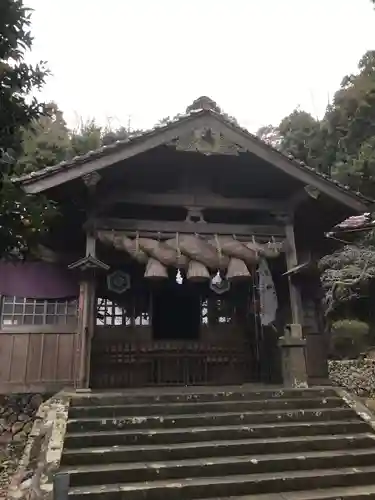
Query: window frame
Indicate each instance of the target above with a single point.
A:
(67, 327)
(126, 312)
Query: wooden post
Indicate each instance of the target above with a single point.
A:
(292, 261)
(86, 318)
(293, 344)
(87, 294)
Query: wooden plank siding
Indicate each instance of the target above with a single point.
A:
(37, 362)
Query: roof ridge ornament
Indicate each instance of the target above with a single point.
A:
(205, 103)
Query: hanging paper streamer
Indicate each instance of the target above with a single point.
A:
(267, 294)
(179, 278)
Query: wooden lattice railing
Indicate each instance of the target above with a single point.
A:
(116, 364)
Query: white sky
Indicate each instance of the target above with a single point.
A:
(146, 59)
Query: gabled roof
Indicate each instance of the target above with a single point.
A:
(105, 156)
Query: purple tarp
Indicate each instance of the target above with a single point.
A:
(38, 280)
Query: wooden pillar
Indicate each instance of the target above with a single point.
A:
(292, 261)
(292, 343)
(86, 317)
(88, 265)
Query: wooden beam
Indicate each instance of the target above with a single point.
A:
(209, 200)
(263, 151)
(167, 228)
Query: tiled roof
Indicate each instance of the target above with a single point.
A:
(122, 144)
(364, 222)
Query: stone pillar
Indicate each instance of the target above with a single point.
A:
(292, 344)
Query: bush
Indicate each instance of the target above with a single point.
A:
(349, 337)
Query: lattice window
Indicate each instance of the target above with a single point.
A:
(216, 311)
(18, 311)
(110, 313)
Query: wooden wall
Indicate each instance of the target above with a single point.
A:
(37, 362)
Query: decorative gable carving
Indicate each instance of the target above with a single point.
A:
(207, 141)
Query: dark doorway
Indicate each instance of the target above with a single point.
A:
(176, 312)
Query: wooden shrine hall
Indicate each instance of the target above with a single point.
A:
(183, 255)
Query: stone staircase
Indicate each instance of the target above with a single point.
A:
(243, 443)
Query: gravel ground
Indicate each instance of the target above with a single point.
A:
(357, 375)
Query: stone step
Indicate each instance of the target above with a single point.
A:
(204, 394)
(349, 492)
(211, 487)
(217, 466)
(207, 419)
(183, 451)
(139, 410)
(189, 434)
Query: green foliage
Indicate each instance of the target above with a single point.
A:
(299, 135)
(17, 79)
(89, 136)
(342, 145)
(45, 142)
(349, 338)
(86, 137)
(32, 135)
(21, 217)
(347, 274)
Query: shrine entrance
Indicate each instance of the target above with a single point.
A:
(176, 312)
(165, 333)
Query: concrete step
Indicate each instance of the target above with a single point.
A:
(196, 394)
(222, 448)
(216, 487)
(217, 466)
(207, 419)
(189, 434)
(140, 410)
(366, 492)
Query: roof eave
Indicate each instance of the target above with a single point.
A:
(109, 155)
(123, 150)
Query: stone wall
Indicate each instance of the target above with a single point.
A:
(356, 375)
(42, 454)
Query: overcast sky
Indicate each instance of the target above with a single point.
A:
(142, 60)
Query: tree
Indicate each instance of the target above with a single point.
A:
(350, 122)
(21, 216)
(87, 137)
(45, 142)
(299, 135)
(342, 145)
(349, 273)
